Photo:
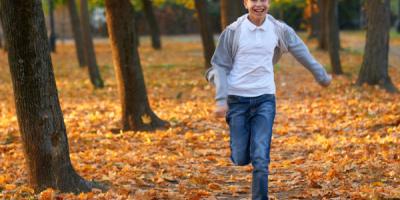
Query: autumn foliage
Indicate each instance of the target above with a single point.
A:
(342, 141)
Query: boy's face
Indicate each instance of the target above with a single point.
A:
(257, 8)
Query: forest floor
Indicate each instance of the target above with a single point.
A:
(340, 142)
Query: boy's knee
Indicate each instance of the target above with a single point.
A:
(240, 161)
(260, 165)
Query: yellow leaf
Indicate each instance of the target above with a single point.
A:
(10, 186)
(2, 179)
(48, 194)
(146, 119)
(214, 186)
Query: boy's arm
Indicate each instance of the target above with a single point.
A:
(300, 51)
(221, 65)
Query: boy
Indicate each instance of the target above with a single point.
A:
(242, 72)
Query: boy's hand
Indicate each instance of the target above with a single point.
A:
(220, 111)
(327, 81)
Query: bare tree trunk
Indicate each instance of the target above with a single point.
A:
(230, 11)
(53, 36)
(206, 32)
(38, 110)
(137, 25)
(331, 19)
(398, 17)
(90, 55)
(136, 111)
(3, 45)
(1, 35)
(153, 24)
(76, 28)
(323, 36)
(313, 28)
(374, 69)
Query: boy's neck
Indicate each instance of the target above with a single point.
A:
(257, 22)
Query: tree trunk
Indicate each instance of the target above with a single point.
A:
(38, 110)
(331, 19)
(398, 17)
(53, 36)
(1, 35)
(76, 28)
(90, 55)
(313, 18)
(374, 69)
(136, 111)
(323, 36)
(137, 25)
(230, 11)
(153, 25)
(206, 32)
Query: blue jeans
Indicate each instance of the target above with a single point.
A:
(250, 122)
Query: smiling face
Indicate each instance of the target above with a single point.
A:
(258, 9)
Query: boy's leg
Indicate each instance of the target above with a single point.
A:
(262, 119)
(237, 119)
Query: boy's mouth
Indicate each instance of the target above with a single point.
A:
(259, 10)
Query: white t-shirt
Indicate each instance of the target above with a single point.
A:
(253, 71)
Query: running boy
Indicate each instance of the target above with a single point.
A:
(243, 74)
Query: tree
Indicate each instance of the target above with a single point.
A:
(1, 35)
(374, 69)
(230, 11)
(206, 34)
(77, 31)
(312, 15)
(53, 36)
(136, 111)
(323, 35)
(90, 55)
(332, 31)
(153, 25)
(38, 109)
(398, 17)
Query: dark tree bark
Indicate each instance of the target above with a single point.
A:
(398, 17)
(323, 36)
(136, 111)
(230, 11)
(38, 110)
(1, 35)
(53, 36)
(332, 26)
(153, 24)
(313, 28)
(90, 55)
(137, 25)
(374, 69)
(206, 32)
(77, 31)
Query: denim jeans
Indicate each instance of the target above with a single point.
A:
(250, 122)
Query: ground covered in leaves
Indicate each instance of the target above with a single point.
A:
(342, 142)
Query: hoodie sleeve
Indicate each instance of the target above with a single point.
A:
(221, 63)
(300, 51)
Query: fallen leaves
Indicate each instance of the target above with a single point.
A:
(338, 142)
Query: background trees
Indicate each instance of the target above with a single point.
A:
(374, 69)
(90, 55)
(205, 31)
(136, 111)
(77, 31)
